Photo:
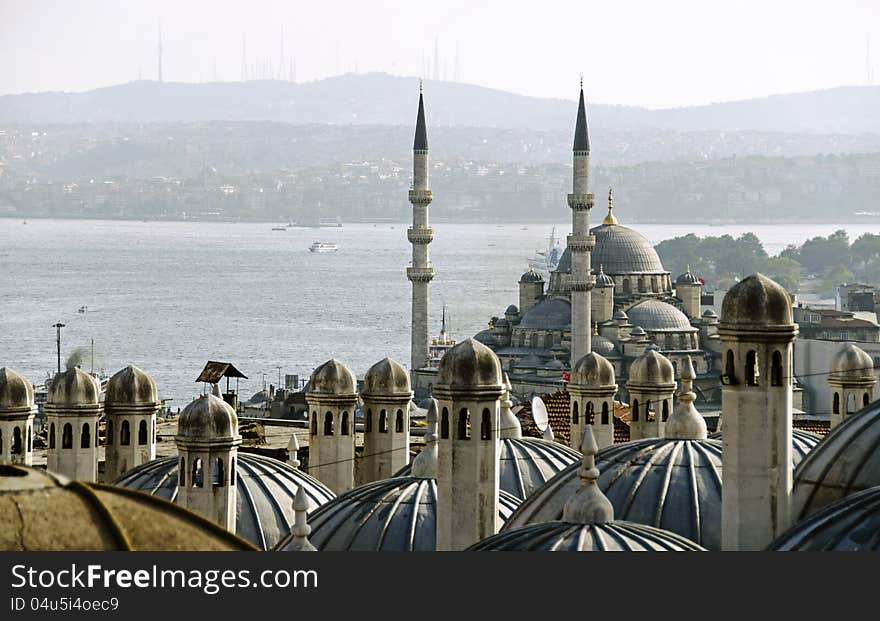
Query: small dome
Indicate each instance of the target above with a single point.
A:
(552, 314)
(802, 442)
(469, 364)
(603, 280)
(842, 463)
(709, 313)
(670, 484)
(619, 314)
(208, 418)
(651, 369)
(566, 537)
(851, 524)
(397, 514)
(16, 392)
(756, 300)
(638, 331)
(332, 378)
(688, 279)
(852, 363)
(621, 250)
(555, 364)
(511, 310)
(387, 378)
(50, 512)
(656, 316)
(131, 386)
(592, 371)
(501, 323)
(602, 346)
(73, 387)
(265, 488)
(531, 277)
(525, 464)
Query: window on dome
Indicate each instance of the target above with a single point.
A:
(865, 400)
(605, 413)
(52, 436)
(588, 413)
(752, 372)
(776, 369)
(836, 407)
(142, 433)
(383, 422)
(16, 441)
(398, 423)
(181, 473)
(67, 436)
(626, 286)
(86, 437)
(665, 410)
(343, 427)
(124, 433)
(232, 470)
(729, 376)
(109, 432)
(368, 421)
(635, 411)
(444, 424)
(314, 423)
(328, 424)
(197, 473)
(219, 475)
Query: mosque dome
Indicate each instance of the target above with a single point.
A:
(621, 250)
(387, 377)
(131, 386)
(526, 464)
(50, 512)
(568, 537)
(332, 378)
(16, 391)
(651, 368)
(656, 316)
(670, 484)
(602, 279)
(756, 301)
(851, 524)
(638, 331)
(555, 365)
(73, 387)
(710, 314)
(511, 310)
(208, 417)
(602, 346)
(619, 314)
(842, 463)
(687, 279)
(397, 514)
(552, 314)
(802, 442)
(501, 323)
(531, 276)
(593, 370)
(469, 363)
(265, 488)
(852, 363)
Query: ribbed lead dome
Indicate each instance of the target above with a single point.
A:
(526, 464)
(656, 316)
(670, 484)
(621, 250)
(552, 314)
(265, 488)
(397, 514)
(566, 537)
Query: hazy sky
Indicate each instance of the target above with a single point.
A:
(640, 52)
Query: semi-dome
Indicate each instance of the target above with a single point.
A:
(265, 490)
(16, 391)
(554, 314)
(332, 378)
(621, 250)
(842, 463)
(592, 370)
(131, 386)
(46, 511)
(602, 346)
(802, 442)
(687, 279)
(670, 484)
(851, 524)
(397, 514)
(756, 301)
(501, 323)
(531, 276)
(387, 378)
(469, 364)
(208, 417)
(651, 369)
(568, 537)
(656, 316)
(526, 464)
(73, 387)
(851, 362)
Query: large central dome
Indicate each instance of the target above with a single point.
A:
(619, 250)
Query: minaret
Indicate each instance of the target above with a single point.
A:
(420, 273)
(851, 382)
(17, 411)
(207, 447)
(386, 394)
(131, 403)
(469, 388)
(332, 398)
(73, 408)
(757, 333)
(580, 242)
(592, 389)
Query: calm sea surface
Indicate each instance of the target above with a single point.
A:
(168, 296)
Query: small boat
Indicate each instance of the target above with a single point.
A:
(323, 247)
(82, 309)
(279, 228)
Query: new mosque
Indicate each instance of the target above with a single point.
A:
(611, 318)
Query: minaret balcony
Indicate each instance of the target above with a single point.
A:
(421, 197)
(581, 244)
(420, 235)
(581, 285)
(420, 274)
(580, 202)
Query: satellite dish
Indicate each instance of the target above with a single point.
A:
(539, 415)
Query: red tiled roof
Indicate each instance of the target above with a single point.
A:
(558, 404)
(821, 427)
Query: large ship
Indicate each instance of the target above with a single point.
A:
(546, 261)
(440, 345)
(323, 247)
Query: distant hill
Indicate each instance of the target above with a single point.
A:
(381, 99)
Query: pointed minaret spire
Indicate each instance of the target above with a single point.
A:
(686, 423)
(421, 140)
(581, 133)
(300, 529)
(589, 505)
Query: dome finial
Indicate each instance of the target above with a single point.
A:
(582, 81)
(301, 528)
(595, 328)
(292, 451)
(610, 219)
(589, 505)
(686, 423)
(510, 425)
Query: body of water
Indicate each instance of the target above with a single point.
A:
(169, 296)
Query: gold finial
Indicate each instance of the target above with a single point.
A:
(595, 328)
(420, 86)
(610, 219)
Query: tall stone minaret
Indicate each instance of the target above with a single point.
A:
(580, 242)
(420, 273)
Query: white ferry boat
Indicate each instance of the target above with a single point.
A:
(323, 247)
